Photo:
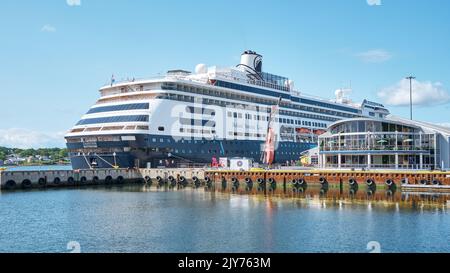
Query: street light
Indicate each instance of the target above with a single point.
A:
(410, 78)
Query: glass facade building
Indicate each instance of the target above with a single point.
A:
(378, 144)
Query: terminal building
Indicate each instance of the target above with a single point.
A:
(389, 143)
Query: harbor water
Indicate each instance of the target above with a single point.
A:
(148, 219)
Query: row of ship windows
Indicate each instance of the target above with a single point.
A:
(223, 142)
(245, 134)
(197, 122)
(110, 128)
(247, 116)
(198, 110)
(197, 131)
(303, 122)
(191, 99)
(228, 95)
(135, 118)
(94, 139)
(281, 120)
(240, 152)
(121, 107)
(282, 95)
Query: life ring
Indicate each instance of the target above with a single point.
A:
(171, 178)
(404, 181)
(147, 179)
(294, 181)
(248, 180)
(70, 180)
(323, 180)
(95, 179)
(83, 179)
(260, 180)
(301, 182)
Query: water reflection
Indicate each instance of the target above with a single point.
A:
(143, 218)
(325, 194)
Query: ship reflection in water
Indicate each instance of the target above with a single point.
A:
(152, 219)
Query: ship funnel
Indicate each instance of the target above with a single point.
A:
(251, 62)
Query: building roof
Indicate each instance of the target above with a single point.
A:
(426, 126)
(388, 120)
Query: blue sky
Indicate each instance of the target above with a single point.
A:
(54, 55)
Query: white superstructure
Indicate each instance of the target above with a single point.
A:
(213, 112)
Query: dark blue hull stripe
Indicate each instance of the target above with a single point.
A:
(156, 150)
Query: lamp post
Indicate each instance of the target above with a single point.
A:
(410, 78)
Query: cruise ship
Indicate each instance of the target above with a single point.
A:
(198, 117)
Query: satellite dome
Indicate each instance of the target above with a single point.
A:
(201, 69)
(291, 84)
(339, 93)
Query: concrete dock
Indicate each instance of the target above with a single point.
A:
(12, 180)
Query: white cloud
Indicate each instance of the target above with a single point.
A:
(374, 56)
(73, 2)
(48, 28)
(424, 93)
(23, 138)
(374, 2)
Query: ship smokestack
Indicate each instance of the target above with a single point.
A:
(251, 63)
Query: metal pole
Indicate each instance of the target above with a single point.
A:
(410, 78)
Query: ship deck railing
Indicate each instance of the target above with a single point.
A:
(293, 92)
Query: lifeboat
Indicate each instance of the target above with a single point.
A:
(319, 132)
(303, 130)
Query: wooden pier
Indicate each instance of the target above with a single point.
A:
(298, 180)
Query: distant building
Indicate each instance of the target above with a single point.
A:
(1, 162)
(13, 159)
(391, 143)
(310, 157)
